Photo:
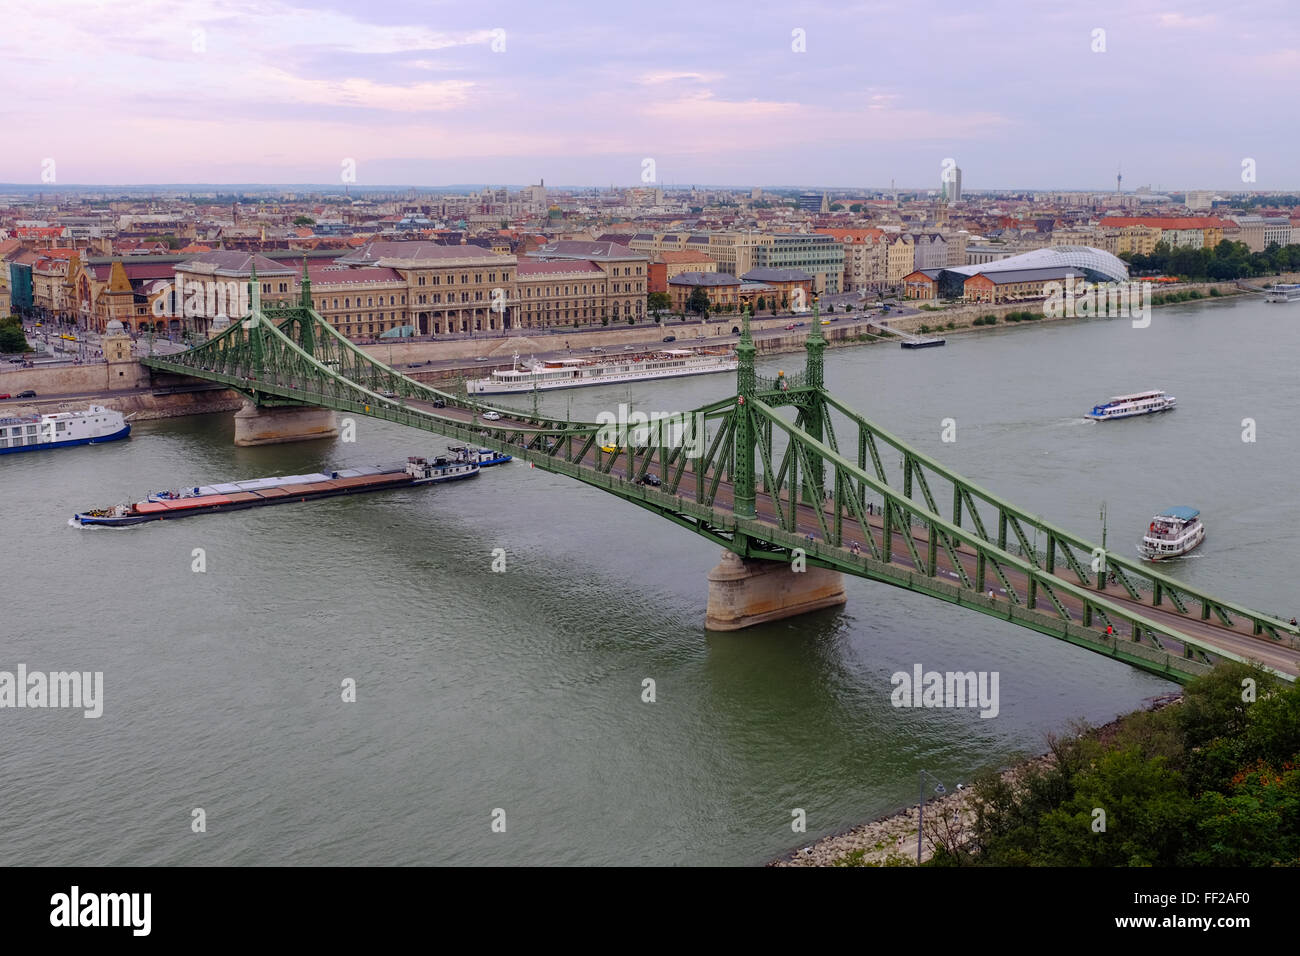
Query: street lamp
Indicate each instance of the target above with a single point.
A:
(920, 813)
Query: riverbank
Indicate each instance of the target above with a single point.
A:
(891, 840)
(459, 359)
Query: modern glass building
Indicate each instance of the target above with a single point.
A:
(819, 255)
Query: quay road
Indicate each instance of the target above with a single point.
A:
(1237, 639)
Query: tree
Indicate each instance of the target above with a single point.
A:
(304, 221)
(699, 300)
(836, 207)
(658, 301)
(13, 340)
(760, 305)
(856, 207)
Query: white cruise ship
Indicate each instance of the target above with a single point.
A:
(1126, 406)
(37, 432)
(1173, 533)
(1282, 292)
(577, 372)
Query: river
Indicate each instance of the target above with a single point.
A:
(522, 691)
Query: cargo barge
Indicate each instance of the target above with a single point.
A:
(258, 492)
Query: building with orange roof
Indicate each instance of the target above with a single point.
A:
(866, 257)
(665, 266)
(1195, 232)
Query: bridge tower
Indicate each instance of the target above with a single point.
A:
(746, 440)
(744, 591)
(813, 412)
(260, 422)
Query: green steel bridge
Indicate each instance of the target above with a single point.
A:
(784, 471)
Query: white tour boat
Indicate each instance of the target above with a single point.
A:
(93, 426)
(1126, 406)
(1173, 533)
(577, 372)
(1282, 292)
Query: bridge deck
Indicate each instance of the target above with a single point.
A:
(1237, 639)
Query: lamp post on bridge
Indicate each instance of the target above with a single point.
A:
(920, 813)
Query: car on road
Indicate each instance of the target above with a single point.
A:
(4, 396)
(388, 393)
(491, 416)
(627, 348)
(596, 348)
(16, 361)
(26, 393)
(439, 403)
(481, 358)
(790, 327)
(651, 480)
(670, 338)
(609, 449)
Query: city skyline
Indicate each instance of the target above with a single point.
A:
(249, 92)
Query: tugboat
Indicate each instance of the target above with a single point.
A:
(1173, 533)
(483, 457)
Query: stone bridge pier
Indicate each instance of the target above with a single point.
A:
(743, 593)
(273, 425)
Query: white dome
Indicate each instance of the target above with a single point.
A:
(114, 326)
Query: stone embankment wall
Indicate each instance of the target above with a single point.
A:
(76, 379)
(141, 406)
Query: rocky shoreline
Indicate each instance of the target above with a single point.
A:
(891, 840)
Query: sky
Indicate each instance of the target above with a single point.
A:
(1033, 94)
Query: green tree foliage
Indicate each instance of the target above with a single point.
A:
(698, 301)
(1211, 781)
(12, 339)
(1228, 260)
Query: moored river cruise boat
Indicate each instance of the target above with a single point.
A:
(1172, 533)
(92, 426)
(577, 372)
